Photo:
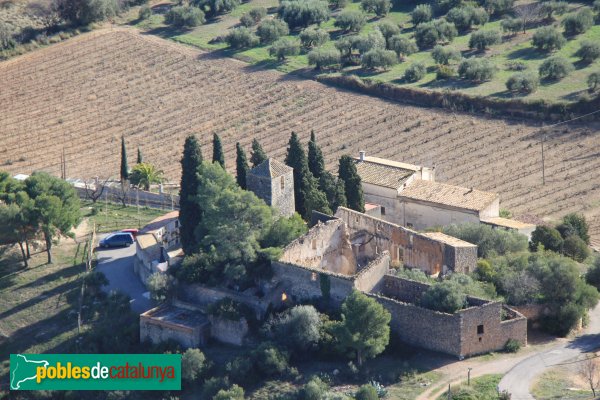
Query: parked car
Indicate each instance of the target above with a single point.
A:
(119, 239)
(134, 232)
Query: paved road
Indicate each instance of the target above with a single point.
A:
(520, 378)
(117, 265)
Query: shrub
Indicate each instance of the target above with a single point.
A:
(445, 72)
(553, 7)
(498, 7)
(366, 392)
(192, 364)
(588, 51)
(269, 360)
(185, 16)
(592, 276)
(272, 29)
(315, 389)
(321, 58)
(576, 248)
(421, 13)
(297, 328)
(229, 309)
(490, 242)
(465, 17)
(233, 393)
(350, 20)
(378, 7)
(7, 40)
(158, 285)
(516, 66)
(512, 346)
(379, 58)
(578, 23)
(512, 25)
(476, 69)
(241, 38)
(388, 29)
(447, 296)
(555, 68)
(593, 80)
(302, 13)
(415, 72)
(578, 222)
(313, 37)
(481, 40)
(402, 46)
(443, 54)
(546, 236)
(523, 83)
(548, 39)
(145, 12)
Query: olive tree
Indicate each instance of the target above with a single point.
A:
(403, 46)
(523, 82)
(241, 38)
(370, 41)
(588, 51)
(579, 22)
(593, 81)
(351, 20)
(379, 58)
(447, 296)
(322, 58)
(549, 8)
(285, 47)
(548, 39)
(421, 13)
(428, 34)
(465, 17)
(388, 29)
(482, 40)
(415, 72)
(444, 54)
(253, 17)
(555, 68)
(302, 13)
(476, 69)
(313, 37)
(270, 30)
(379, 7)
(512, 25)
(185, 16)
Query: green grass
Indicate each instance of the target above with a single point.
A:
(517, 48)
(484, 387)
(110, 217)
(412, 385)
(556, 384)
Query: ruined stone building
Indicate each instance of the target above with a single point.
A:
(408, 195)
(273, 181)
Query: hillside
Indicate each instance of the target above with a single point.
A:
(83, 94)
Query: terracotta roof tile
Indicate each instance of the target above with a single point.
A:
(449, 195)
(271, 168)
(376, 173)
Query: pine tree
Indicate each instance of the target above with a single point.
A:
(190, 213)
(316, 163)
(307, 195)
(124, 166)
(352, 184)
(218, 155)
(140, 159)
(241, 163)
(258, 154)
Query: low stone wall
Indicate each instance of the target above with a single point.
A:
(405, 290)
(157, 331)
(371, 276)
(227, 331)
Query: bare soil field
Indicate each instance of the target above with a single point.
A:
(83, 94)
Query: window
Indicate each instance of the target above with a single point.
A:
(314, 244)
(282, 183)
(480, 329)
(382, 210)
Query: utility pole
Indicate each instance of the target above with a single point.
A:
(543, 162)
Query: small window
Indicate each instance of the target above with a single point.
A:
(382, 210)
(480, 329)
(282, 183)
(314, 244)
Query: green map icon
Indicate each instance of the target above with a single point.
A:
(23, 369)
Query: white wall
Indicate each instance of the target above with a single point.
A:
(423, 216)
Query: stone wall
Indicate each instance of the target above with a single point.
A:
(227, 331)
(156, 330)
(421, 215)
(282, 194)
(405, 290)
(371, 277)
(461, 259)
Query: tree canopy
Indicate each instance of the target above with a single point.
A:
(218, 155)
(190, 211)
(258, 154)
(241, 165)
(352, 184)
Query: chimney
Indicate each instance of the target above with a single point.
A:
(361, 155)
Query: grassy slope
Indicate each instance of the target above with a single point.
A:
(484, 386)
(517, 48)
(112, 216)
(556, 384)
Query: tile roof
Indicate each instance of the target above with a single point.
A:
(447, 239)
(159, 222)
(449, 195)
(271, 168)
(507, 223)
(379, 172)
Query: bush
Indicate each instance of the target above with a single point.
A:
(578, 23)
(233, 393)
(313, 37)
(443, 54)
(593, 80)
(512, 25)
(546, 236)
(476, 69)
(481, 40)
(366, 392)
(159, 286)
(379, 58)
(445, 72)
(576, 248)
(351, 20)
(402, 46)
(272, 29)
(516, 66)
(185, 16)
(548, 39)
(465, 17)
(555, 68)
(315, 389)
(145, 12)
(297, 328)
(523, 83)
(578, 222)
(512, 346)
(592, 277)
(490, 242)
(549, 8)
(379, 7)
(302, 13)
(415, 72)
(269, 360)
(421, 13)
(193, 364)
(589, 51)
(321, 58)
(285, 47)
(428, 34)
(7, 40)
(499, 7)
(447, 296)
(241, 38)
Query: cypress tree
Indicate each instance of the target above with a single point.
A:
(124, 167)
(316, 163)
(241, 164)
(140, 159)
(258, 154)
(307, 195)
(352, 184)
(339, 199)
(218, 155)
(190, 212)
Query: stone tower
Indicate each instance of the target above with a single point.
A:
(273, 181)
